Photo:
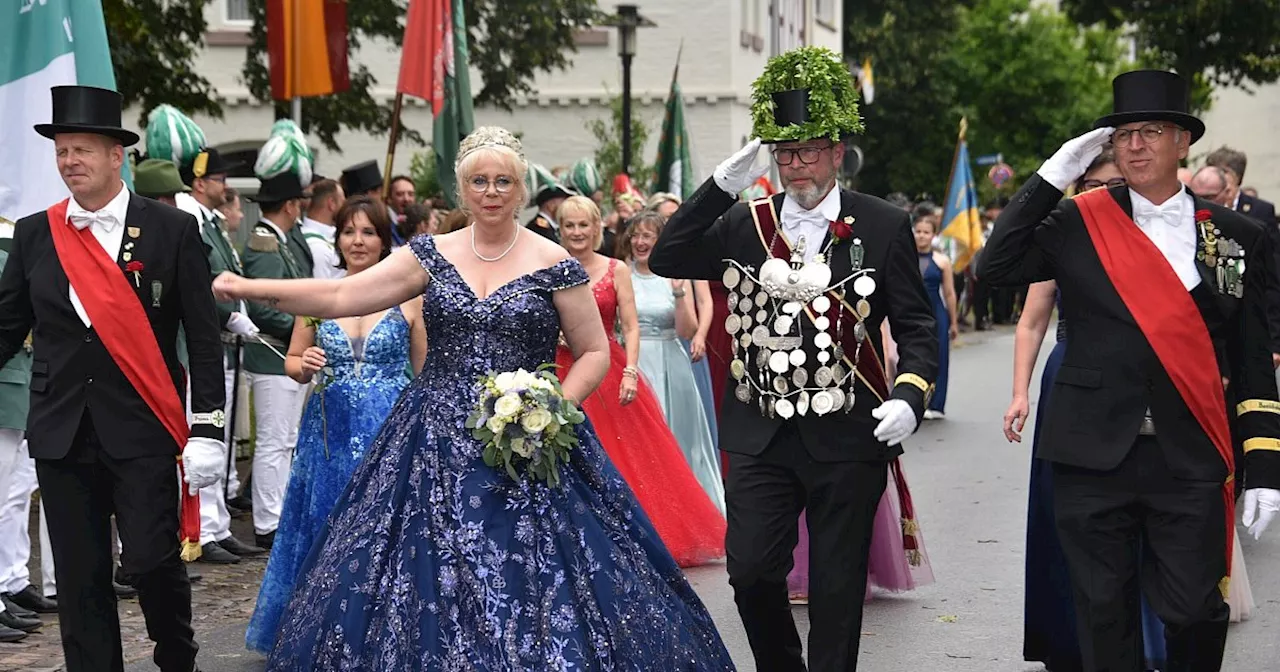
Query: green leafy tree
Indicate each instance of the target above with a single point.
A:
(608, 135)
(911, 124)
(154, 44)
(510, 42)
(1214, 42)
(422, 170)
(1037, 79)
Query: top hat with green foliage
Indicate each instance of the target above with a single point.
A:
(805, 94)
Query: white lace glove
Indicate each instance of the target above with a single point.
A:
(239, 323)
(897, 421)
(1071, 160)
(204, 462)
(739, 171)
(1260, 506)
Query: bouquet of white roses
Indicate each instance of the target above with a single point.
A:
(525, 423)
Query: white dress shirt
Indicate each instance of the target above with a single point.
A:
(107, 228)
(188, 204)
(323, 251)
(1172, 227)
(811, 225)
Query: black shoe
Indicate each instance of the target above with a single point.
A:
(17, 622)
(240, 548)
(240, 502)
(30, 598)
(265, 540)
(214, 554)
(122, 578)
(16, 609)
(192, 575)
(9, 635)
(124, 592)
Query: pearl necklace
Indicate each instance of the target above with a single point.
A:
(481, 257)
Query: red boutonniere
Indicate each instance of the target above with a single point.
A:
(1203, 215)
(135, 267)
(842, 230)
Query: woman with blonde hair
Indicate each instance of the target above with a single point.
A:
(624, 407)
(665, 310)
(432, 558)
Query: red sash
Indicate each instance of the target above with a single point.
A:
(869, 368)
(116, 313)
(1170, 320)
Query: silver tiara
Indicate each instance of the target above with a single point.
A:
(489, 136)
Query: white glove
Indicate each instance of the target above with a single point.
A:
(1071, 160)
(897, 421)
(739, 171)
(239, 323)
(204, 462)
(1260, 504)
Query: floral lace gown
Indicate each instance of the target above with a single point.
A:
(434, 561)
(340, 421)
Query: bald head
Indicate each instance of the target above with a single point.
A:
(1210, 183)
(1184, 176)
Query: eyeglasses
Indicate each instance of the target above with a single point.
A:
(480, 184)
(807, 155)
(1149, 134)
(1086, 185)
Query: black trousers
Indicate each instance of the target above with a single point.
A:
(80, 492)
(765, 495)
(1102, 517)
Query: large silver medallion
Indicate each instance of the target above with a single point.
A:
(733, 323)
(731, 277)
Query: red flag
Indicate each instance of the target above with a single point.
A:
(427, 54)
(307, 47)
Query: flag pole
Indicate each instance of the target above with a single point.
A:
(955, 156)
(391, 144)
(294, 62)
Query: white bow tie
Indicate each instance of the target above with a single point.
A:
(1170, 211)
(83, 219)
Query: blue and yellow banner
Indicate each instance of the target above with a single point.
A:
(960, 220)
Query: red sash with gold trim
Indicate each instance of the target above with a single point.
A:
(1170, 321)
(116, 313)
(869, 368)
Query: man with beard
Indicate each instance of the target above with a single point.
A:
(809, 421)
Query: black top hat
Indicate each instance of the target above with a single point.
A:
(207, 162)
(87, 109)
(1152, 95)
(282, 187)
(361, 177)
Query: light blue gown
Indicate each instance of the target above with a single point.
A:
(665, 364)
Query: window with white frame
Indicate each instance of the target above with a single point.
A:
(237, 11)
(824, 11)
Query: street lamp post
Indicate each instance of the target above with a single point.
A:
(627, 20)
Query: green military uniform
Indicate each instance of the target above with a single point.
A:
(15, 379)
(301, 250)
(222, 257)
(267, 255)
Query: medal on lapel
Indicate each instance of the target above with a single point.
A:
(134, 232)
(156, 290)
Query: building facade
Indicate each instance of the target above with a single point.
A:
(723, 45)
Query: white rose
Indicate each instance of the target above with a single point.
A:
(496, 425)
(543, 384)
(522, 448)
(504, 381)
(523, 378)
(507, 406)
(536, 420)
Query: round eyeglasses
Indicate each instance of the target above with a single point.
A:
(480, 184)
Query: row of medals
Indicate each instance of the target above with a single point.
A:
(778, 351)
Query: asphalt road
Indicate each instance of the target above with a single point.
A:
(970, 488)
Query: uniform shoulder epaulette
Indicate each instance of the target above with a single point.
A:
(263, 240)
(542, 222)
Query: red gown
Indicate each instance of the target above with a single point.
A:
(645, 452)
(719, 353)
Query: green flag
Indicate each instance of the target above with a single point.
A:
(456, 118)
(674, 166)
(42, 45)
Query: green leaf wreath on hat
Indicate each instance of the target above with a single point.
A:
(832, 110)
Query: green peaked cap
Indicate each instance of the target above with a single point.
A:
(779, 112)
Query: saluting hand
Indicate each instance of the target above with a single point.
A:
(1073, 158)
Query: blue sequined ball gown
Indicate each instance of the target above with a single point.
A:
(365, 377)
(434, 561)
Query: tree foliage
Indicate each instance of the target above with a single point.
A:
(1215, 42)
(1025, 76)
(608, 157)
(154, 44)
